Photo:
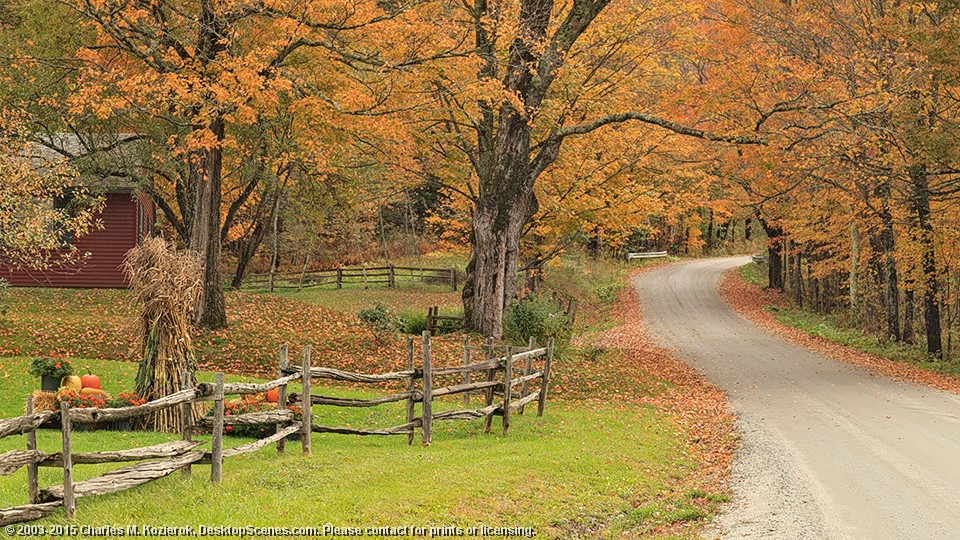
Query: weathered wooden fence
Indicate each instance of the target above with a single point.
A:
(438, 324)
(426, 391)
(153, 462)
(372, 276)
(519, 369)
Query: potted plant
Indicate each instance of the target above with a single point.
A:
(51, 371)
(123, 399)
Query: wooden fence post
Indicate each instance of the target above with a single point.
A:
(33, 485)
(303, 271)
(69, 503)
(305, 402)
(527, 368)
(216, 440)
(427, 407)
(391, 277)
(572, 311)
(491, 373)
(411, 382)
(453, 279)
(339, 278)
(186, 418)
(282, 392)
(545, 384)
(507, 389)
(466, 374)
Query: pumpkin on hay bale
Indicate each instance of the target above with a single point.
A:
(166, 286)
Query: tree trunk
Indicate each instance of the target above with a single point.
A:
(908, 308)
(891, 282)
(205, 234)
(709, 246)
(855, 271)
(505, 205)
(774, 254)
(931, 286)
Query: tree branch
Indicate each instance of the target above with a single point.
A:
(583, 129)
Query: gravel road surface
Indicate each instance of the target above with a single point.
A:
(828, 450)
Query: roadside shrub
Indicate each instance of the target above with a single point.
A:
(380, 320)
(537, 316)
(413, 322)
(607, 293)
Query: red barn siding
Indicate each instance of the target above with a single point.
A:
(107, 247)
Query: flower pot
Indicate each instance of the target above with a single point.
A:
(49, 384)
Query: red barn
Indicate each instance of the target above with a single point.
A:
(127, 218)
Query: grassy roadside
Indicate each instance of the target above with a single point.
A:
(838, 329)
(630, 465)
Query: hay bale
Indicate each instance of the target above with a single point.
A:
(44, 401)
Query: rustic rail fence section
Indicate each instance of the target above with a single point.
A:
(494, 360)
(365, 276)
(153, 462)
(506, 386)
(438, 324)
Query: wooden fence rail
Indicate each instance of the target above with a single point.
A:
(427, 375)
(154, 462)
(384, 275)
(160, 460)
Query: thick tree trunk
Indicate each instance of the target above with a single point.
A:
(205, 235)
(931, 286)
(883, 243)
(506, 204)
(774, 254)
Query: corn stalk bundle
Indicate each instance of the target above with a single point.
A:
(167, 286)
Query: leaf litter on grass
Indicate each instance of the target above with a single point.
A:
(752, 301)
(643, 373)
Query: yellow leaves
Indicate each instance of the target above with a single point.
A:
(32, 227)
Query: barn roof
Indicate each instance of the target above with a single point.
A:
(104, 162)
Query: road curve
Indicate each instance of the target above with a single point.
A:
(828, 450)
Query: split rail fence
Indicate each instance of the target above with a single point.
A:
(519, 368)
(381, 275)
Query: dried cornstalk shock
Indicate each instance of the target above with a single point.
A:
(167, 287)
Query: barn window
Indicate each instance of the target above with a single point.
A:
(64, 202)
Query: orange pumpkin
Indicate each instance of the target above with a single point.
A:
(90, 380)
(273, 395)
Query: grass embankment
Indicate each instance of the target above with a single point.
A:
(615, 454)
(838, 328)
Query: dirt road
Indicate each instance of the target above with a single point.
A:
(828, 450)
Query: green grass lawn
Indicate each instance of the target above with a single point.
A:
(581, 466)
